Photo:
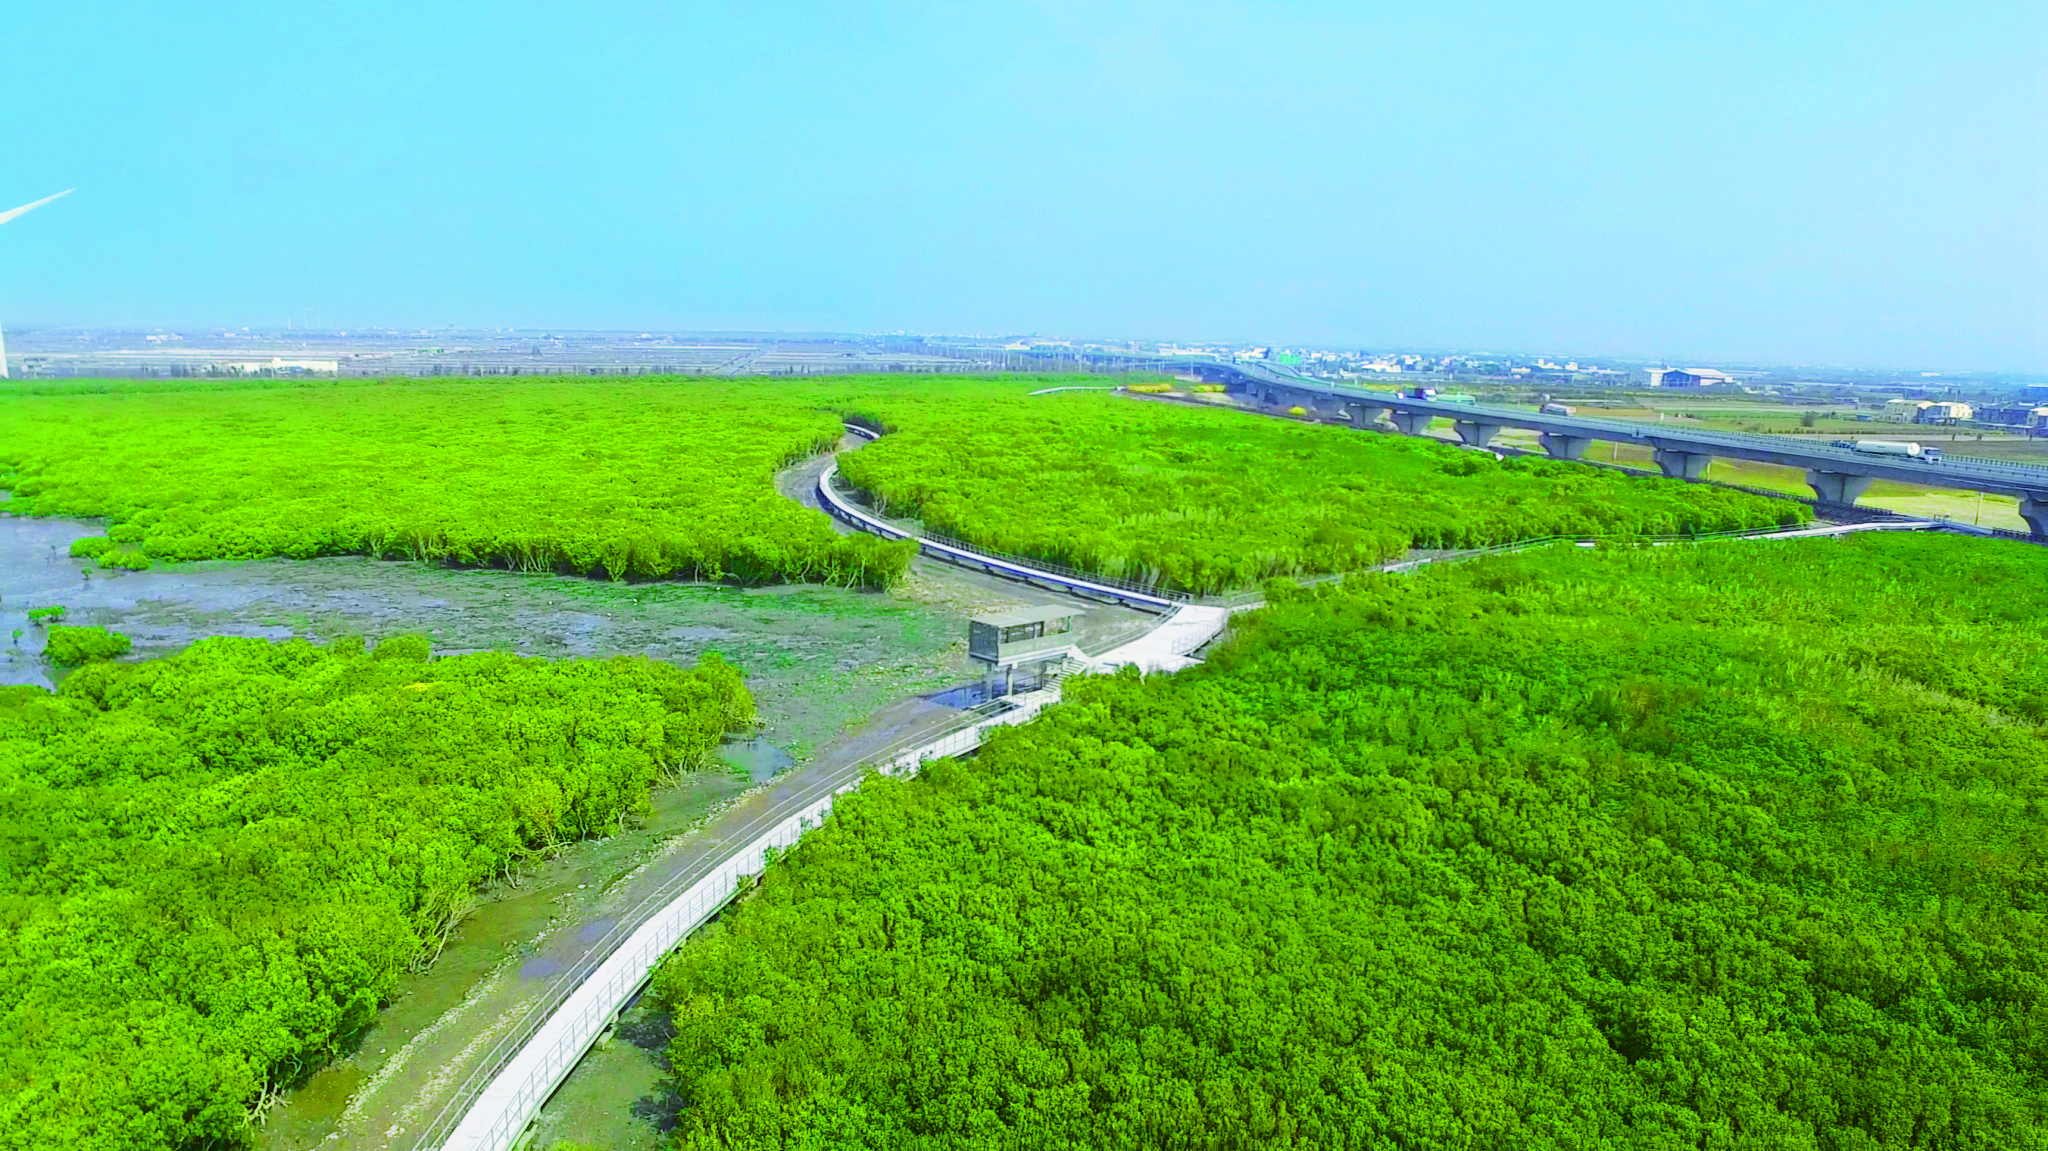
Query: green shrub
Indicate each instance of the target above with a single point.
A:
(49, 614)
(219, 863)
(417, 648)
(90, 547)
(1206, 498)
(125, 559)
(1731, 845)
(655, 479)
(69, 646)
(638, 478)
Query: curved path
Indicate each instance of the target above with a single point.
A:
(499, 1111)
(1164, 648)
(953, 553)
(506, 1089)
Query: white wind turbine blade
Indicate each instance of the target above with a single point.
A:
(6, 216)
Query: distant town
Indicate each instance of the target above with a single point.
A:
(2006, 401)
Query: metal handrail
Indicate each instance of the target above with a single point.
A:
(886, 761)
(946, 740)
(842, 486)
(957, 736)
(1082, 581)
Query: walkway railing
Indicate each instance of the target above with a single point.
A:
(494, 1105)
(961, 552)
(500, 1098)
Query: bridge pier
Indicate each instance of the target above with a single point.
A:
(2034, 510)
(1475, 434)
(1411, 423)
(1365, 415)
(1838, 488)
(1682, 465)
(1559, 446)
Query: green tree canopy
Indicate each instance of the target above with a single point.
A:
(1736, 845)
(214, 866)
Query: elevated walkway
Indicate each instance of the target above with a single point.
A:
(497, 1116)
(1075, 583)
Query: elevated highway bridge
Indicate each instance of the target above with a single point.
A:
(1838, 476)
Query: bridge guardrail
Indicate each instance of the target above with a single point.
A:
(1649, 431)
(1280, 375)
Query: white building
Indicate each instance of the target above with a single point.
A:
(279, 366)
(1687, 377)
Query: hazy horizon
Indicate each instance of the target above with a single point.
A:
(29, 339)
(1841, 185)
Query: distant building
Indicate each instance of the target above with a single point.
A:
(2027, 415)
(2020, 414)
(1943, 413)
(1687, 377)
(279, 366)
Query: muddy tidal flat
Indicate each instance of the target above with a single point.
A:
(816, 658)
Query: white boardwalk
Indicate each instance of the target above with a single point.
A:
(1167, 647)
(501, 1112)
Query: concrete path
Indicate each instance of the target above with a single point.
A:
(413, 1098)
(531, 1059)
(499, 1080)
(1845, 529)
(1170, 646)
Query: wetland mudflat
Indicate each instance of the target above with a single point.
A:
(829, 667)
(816, 658)
(836, 674)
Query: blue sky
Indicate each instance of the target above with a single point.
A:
(1815, 182)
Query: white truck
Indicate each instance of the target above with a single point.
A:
(1909, 450)
(1554, 409)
